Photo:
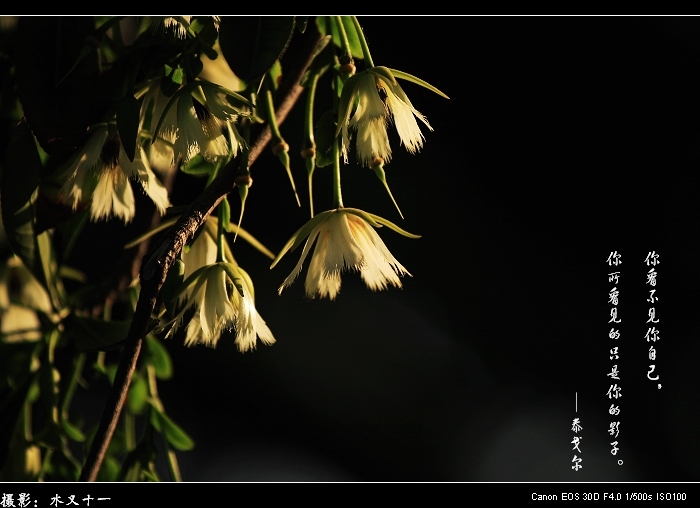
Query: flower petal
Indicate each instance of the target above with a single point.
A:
(404, 116)
(307, 247)
(112, 196)
(345, 240)
(75, 188)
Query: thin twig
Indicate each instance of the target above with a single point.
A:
(155, 270)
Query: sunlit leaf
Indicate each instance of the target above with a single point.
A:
(327, 25)
(198, 166)
(160, 357)
(138, 394)
(177, 437)
(72, 431)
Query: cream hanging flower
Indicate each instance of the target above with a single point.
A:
(100, 173)
(345, 240)
(223, 297)
(380, 100)
(195, 120)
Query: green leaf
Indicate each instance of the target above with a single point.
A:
(275, 74)
(177, 437)
(206, 31)
(150, 475)
(138, 394)
(49, 267)
(270, 36)
(68, 272)
(72, 431)
(128, 115)
(197, 166)
(18, 191)
(327, 25)
(109, 472)
(94, 334)
(160, 357)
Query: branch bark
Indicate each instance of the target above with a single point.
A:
(155, 269)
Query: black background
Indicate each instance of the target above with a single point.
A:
(564, 139)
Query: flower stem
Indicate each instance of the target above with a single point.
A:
(309, 113)
(344, 37)
(309, 152)
(271, 114)
(78, 365)
(363, 42)
(337, 193)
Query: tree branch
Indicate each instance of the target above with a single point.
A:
(155, 269)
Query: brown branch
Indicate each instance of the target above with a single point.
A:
(155, 270)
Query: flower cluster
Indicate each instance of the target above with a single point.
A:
(222, 296)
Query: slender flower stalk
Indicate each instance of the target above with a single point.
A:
(337, 190)
(343, 38)
(363, 42)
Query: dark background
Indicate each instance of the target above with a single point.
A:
(564, 139)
